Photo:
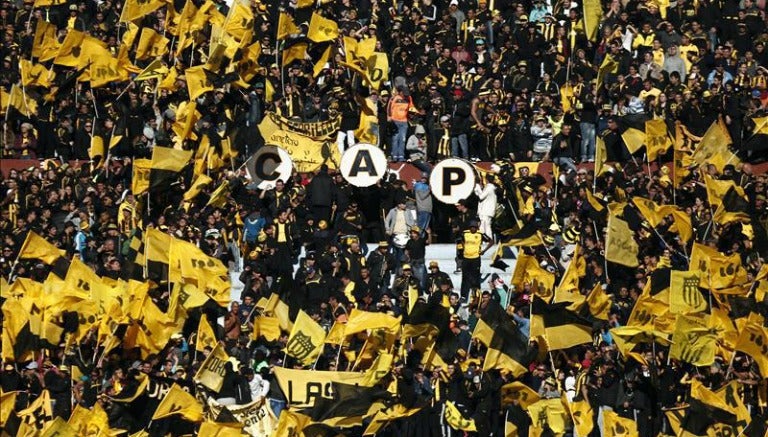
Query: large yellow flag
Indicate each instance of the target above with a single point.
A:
(36, 247)
(715, 269)
(617, 426)
(34, 74)
(267, 327)
(657, 140)
(151, 44)
(693, 341)
(322, 29)
(19, 100)
(286, 26)
(17, 335)
(7, 404)
(197, 81)
(205, 335)
(239, 21)
(360, 321)
(649, 209)
(58, 427)
(290, 424)
(211, 372)
(178, 401)
(581, 413)
(593, 12)
(306, 340)
(296, 52)
(621, 246)
(87, 422)
(456, 420)
(41, 407)
(549, 412)
(134, 9)
(609, 65)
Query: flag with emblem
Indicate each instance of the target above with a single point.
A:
(617, 426)
(135, 9)
(657, 139)
(306, 340)
(684, 294)
(286, 26)
(456, 420)
(693, 341)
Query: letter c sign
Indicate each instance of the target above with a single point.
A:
(452, 180)
(268, 165)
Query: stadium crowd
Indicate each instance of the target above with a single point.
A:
(502, 81)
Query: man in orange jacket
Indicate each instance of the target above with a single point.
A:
(397, 113)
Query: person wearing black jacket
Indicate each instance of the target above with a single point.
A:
(563, 147)
(319, 194)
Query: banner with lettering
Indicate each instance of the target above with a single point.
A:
(303, 387)
(309, 144)
(211, 373)
(257, 418)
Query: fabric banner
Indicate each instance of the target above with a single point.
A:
(309, 152)
(320, 130)
(257, 418)
(303, 387)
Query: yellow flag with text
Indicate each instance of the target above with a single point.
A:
(211, 372)
(456, 420)
(657, 140)
(693, 341)
(621, 247)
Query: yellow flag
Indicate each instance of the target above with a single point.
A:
(609, 65)
(295, 52)
(581, 414)
(7, 403)
(34, 74)
(104, 68)
(761, 125)
(205, 335)
(617, 426)
(693, 342)
(714, 142)
(211, 372)
(684, 294)
(456, 420)
(633, 139)
(286, 26)
(16, 333)
(657, 140)
(518, 392)
(151, 44)
(322, 29)
(40, 407)
(601, 157)
(305, 3)
(306, 340)
(140, 181)
(219, 196)
(45, 42)
(239, 20)
(87, 422)
(621, 246)
(267, 327)
(599, 302)
(715, 269)
(214, 429)
(360, 321)
(550, 412)
(58, 427)
(593, 12)
(753, 341)
(36, 247)
(649, 209)
(200, 181)
(320, 64)
(19, 100)
(178, 401)
(134, 9)
(197, 81)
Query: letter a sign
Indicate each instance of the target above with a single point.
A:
(363, 165)
(452, 180)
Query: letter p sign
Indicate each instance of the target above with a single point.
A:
(452, 180)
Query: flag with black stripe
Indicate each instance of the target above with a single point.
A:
(507, 347)
(425, 318)
(561, 327)
(348, 401)
(165, 165)
(527, 236)
(37, 247)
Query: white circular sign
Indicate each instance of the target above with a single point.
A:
(363, 165)
(268, 165)
(452, 180)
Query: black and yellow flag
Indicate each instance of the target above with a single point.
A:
(39, 412)
(17, 335)
(322, 29)
(140, 180)
(36, 247)
(518, 392)
(155, 70)
(617, 426)
(306, 340)
(178, 401)
(198, 82)
(508, 348)
(349, 401)
(633, 139)
(239, 21)
(562, 328)
(205, 335)
(733, 208)
(360, 321)
(215, 429)
(296, 52)
(684, 294)
(200, 181)
(165, 166)
(582, 416)
(529, 271)
(715, 269)
(267, 327)
(548, 413)
(35, 74)
(657, 139)
(621, 247)
(456, 420)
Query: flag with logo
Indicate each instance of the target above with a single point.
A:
(205, 335)
(693, 341)
(753, 341)
(286, 26)
(617, 426)
(684, 294)
(178, 401)
(657, 140)
(135, 9)
(549, 413)
(306, 340)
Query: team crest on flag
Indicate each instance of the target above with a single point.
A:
(300, 346)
